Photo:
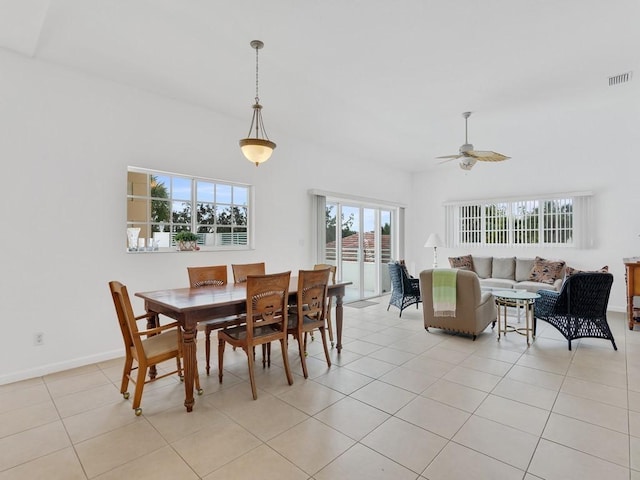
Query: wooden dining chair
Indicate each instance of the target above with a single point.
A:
(266, 322)
(242, 270)
(332, 280)
(214, 275)
(309, 313)
(162, 343)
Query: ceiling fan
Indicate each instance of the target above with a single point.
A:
(468, 156)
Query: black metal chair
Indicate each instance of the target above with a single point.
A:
(405, 290)
(580, 309)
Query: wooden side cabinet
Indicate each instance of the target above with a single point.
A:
(632, 276)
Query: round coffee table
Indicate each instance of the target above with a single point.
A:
(517, 299)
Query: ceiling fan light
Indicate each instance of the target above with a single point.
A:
(257, 150)
(467, 163)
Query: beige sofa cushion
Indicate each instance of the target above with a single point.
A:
(504, 268)
(482, 266)
(523, 269)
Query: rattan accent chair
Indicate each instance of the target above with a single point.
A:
(214, 275)
(405, 290)
(579, 310)
(266, 322)
(162, 343)
(309, 313)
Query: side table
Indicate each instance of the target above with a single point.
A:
(517, 299)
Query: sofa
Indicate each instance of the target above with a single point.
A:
(531, 274)
(475, 309)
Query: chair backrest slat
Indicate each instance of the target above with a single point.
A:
(210, 275)
(242, 271)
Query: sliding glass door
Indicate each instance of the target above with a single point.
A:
(360, 240)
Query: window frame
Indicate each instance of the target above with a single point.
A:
(213, 240)
(517, 225)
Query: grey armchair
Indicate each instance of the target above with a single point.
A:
(474, 309)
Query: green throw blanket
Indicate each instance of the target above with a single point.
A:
(444, 292)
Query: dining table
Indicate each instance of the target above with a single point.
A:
(188, 306)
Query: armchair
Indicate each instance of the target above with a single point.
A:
(405, 290)
(580, 308)
(474, 309)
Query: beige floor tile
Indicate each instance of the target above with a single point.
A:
(634, 423)
(21, 419)
(33, 443)
(163, 463)
(98, 396)
(595, 391)
(213, 446)
(415, 345)
(546, 363)
(18, 398)
(429, 366)
(537, 377)
(352, 417)
(557, 462)
(444, 354)
(175, 423)
(634, 401)
(473, 378)
(310, 397)
(392, 355)
(514, 414)
(499, 351)
(598, 413)
(507, 444)
(634, 447)
(60, 465)
(110, 450)
(238, 404)
(456, 462)
(383, 396)
(604, 376)
(361, 347)
(487, 365)
(77, 383)
(343, 380)
(455, 395)
(526, 393)
(407, 379)
(263, 463)
(370, 367)
(99, 420)
(72, 372)
(591, 439)
(405, 443)
(362, 463)
(434, 416)
(311, 445)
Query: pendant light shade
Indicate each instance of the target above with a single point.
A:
(257, 149)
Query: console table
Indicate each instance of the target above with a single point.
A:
(632, 276)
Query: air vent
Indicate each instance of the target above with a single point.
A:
(622, 78)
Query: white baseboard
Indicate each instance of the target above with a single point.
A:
(58, 367)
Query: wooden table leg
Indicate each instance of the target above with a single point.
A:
(189, 364)
(339, 323)
(152, 322)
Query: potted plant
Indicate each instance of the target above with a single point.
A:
(186, 241)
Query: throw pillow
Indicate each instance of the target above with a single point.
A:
(464, 262)
(546, 271)
(570, 271)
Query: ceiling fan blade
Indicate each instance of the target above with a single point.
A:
(448, 158)
(486, 156)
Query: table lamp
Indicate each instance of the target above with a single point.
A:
(435, 242)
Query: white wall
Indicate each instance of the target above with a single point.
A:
(66, 140)
(585, 143)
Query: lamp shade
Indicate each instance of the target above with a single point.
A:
(433, 241)
(257, 150)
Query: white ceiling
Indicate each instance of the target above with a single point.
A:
(386, 80)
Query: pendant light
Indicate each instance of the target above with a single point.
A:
(257, 149)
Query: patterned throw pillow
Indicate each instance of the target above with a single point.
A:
(570, 271)
(463, 263)
(546, 271)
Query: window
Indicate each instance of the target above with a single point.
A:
(161, 204)
(559, 220)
